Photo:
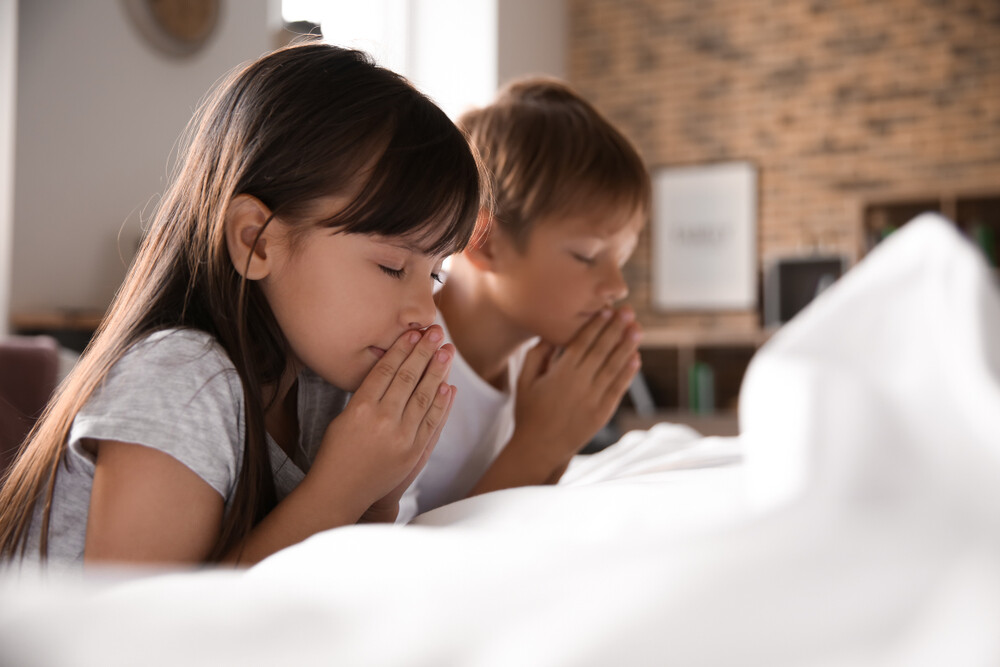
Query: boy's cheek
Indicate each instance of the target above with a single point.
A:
(564, 332)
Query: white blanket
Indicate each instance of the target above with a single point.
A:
(855, 521)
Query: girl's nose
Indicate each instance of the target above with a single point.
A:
(419, 311)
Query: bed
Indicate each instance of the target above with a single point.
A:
(854, 521)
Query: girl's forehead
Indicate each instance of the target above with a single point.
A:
(420, 239)
(415, 242)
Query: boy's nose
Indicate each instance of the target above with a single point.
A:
(614, 288)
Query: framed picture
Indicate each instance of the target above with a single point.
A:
(704, 237)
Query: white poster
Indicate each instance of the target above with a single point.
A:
(705, 237)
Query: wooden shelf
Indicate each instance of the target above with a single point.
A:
(976, 213)
(71, 320)
(723, 423)
(661, 337)
(72, 329)
(671, 354)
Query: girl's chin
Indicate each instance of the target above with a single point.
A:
(348, 381)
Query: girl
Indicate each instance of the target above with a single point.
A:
(291, 260)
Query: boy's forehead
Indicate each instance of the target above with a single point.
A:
(600, 223)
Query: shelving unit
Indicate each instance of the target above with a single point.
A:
(73, 329)
(669, 355)
(977, 214)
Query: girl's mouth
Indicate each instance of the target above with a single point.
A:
(377, 351)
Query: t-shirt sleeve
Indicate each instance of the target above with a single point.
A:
(176, 392)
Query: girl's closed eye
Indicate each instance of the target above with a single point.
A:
(395, 273)
(399, 274)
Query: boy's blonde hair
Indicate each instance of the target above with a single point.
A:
(547, 151)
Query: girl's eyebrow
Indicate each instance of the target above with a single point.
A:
(409, 246)
(395, 242)
(403, 245)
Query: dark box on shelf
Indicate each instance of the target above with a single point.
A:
(792, 282)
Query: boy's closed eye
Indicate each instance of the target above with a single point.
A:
(591, 255)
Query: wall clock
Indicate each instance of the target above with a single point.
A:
(175, 27)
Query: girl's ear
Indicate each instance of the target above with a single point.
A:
(248, 237)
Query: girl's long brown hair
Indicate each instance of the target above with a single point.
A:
(300, 123)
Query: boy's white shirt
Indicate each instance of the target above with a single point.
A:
(479, 425)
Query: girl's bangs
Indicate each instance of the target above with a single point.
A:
(424, 185)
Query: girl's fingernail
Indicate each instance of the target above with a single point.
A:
(443, 389)
(434, 335)
(443, 356)
(414, 336)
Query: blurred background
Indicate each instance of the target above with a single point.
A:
(845, 118)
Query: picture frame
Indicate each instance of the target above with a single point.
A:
(704, 237)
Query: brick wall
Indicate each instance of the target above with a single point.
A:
(838, 102)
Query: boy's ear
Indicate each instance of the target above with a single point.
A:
(483, 252)
(247, 236)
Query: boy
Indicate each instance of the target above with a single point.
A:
(543, 358)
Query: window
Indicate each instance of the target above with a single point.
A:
(447, 48)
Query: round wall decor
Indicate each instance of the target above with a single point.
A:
(175, 27)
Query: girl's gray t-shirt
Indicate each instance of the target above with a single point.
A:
(178, 392)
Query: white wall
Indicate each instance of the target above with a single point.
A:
(464, 50)
(98, 115)
(8, 92)
(532, 38)
(453, 52)
(99, 111)
(456, 51)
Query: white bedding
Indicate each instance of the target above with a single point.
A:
(855, 521)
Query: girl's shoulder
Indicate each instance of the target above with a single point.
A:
(175, 391)
(179, 346)
(178, 357)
